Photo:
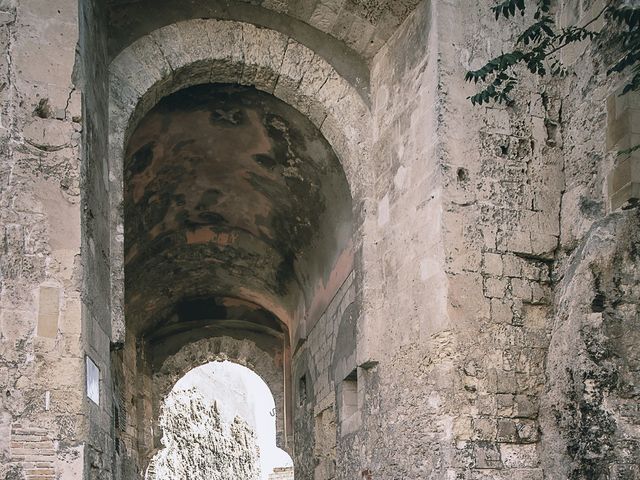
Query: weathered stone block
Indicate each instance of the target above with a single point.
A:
(492, 264)
(506, 382)
(484, 428)
(487, 455)
(48, 312)
(519, 456)
(505, 404)
(507, 430)
(495, 287)
(527, 431)
(521, 289)
(525, 407)
(501, 311)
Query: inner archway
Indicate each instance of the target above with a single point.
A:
(238, 235)
(218, 421)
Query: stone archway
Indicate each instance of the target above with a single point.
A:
(152, 71)
(242, 352)
(218, 419)
(210, 51)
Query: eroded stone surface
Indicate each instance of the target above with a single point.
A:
(488, 328)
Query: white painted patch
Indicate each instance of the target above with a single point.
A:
(383, 211)
(70, 463)
(93, 381)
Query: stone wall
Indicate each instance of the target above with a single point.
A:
(320, 364)
(400, 336)
(489, 328)
(42, 401)
(101, 446)
(589, 411)
(502, 182)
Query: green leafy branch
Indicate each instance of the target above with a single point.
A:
(536, 47)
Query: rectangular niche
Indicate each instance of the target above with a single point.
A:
(349, 404)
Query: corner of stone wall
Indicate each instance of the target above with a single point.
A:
(42, 404)
(588, 428)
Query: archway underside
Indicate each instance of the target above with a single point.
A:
(236, 214)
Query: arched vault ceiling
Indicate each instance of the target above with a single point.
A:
(230, 194)
(361, 26)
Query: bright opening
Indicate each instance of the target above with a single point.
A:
(219, 423)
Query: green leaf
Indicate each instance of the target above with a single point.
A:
(508, 8)
(630, 16)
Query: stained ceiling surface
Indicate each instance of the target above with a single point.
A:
(236, 210)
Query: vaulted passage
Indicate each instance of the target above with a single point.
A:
(236, 210)
(238, 234)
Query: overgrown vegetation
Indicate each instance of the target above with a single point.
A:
(537, 46)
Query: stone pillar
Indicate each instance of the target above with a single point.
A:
(42, 402)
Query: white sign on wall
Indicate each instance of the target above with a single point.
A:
(93, 381)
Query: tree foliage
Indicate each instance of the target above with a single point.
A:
(537, 46)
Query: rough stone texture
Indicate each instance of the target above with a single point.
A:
(42, 406)
(198, 445)
(590, 404)
(360, 25)
(590, 417)
(489, 326)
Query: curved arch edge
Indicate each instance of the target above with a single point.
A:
(241, 352)
(212, 51)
